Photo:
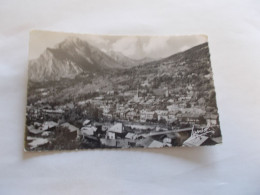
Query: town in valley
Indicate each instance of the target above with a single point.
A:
(89, 103)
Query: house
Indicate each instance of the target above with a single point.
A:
(70, 105)
(86, 122)
(121, 114)
(34, 130)
(162, 114)
(130, 115)
(212, 119)
(167, 140)
(132, 136)
(71, 128)
(188, 118)
(110, 135)
(120, 107)
(105, 108)
(108, 142)
(111, 92)
(130, 93)
(146, 115)
(155, 144)
(149, 101)
(171, 117)
(146, 84)
(171, 101)
(99, 98)
(45, 133)
(123, 143)
(47, 125)
(120, 110)
(88, 130)
(195, 141)
(98, 101)
(167, 92)
(182, 105)
(145, 142)
(182, 98)
(108, 115)
(199, 137)
(172, 107)
(53, 113)
(116, 129)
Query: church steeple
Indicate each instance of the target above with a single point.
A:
(167, 92)
(136, 97)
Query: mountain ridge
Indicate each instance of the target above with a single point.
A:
(68, 59)
(74, 56)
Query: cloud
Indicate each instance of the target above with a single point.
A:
(136, 47)
(156, 47)
(184, 47)
(126, 46)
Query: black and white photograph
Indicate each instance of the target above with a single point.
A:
(129, 97)
(89, 91)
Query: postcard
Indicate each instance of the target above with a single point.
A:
(88, 91)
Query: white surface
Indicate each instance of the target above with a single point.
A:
(234, 39)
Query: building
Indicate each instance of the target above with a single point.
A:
(173, 107)
(212, 119)
(108, 116)
(184, 98)
(115, 130)
(188, 118)
(130, 115)
(110, 135)
(146, 115)
(162, 114)
(88, 130)
(111, 92)
(86, 122)
(39, 128)
(146, 84)
(53, 113)
(132, 136)
(155, 144)
(171, 117)
(167, 92)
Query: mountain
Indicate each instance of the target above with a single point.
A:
(68, 59)
(190, 67)
(121, 59)
(74, 56)
(145, 60)
(127, 62)
(195, 57)
(185, 72)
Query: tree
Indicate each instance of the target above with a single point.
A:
(162, 121)
(202, 120)
(212, 99)
(96, 114)
(155, 116)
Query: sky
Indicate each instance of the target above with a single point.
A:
(132, 46)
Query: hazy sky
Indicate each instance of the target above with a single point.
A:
(136, 47)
